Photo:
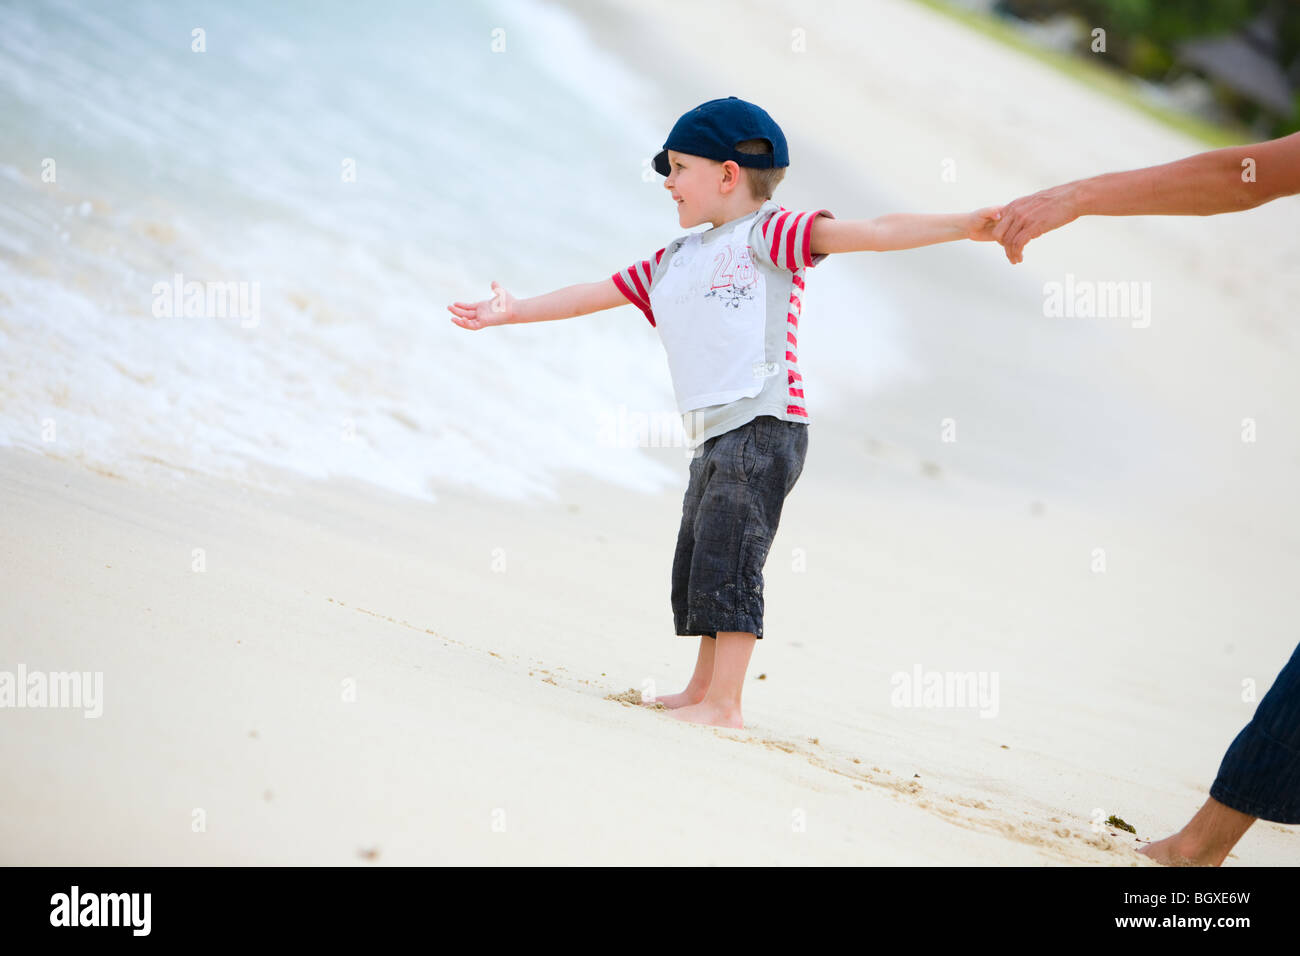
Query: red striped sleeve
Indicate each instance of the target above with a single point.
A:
(787, 238)
(634, 283)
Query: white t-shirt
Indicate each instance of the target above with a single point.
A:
(779, 246)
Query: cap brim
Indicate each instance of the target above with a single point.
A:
(660, 163)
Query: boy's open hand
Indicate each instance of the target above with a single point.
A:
(981, 223)
(498, 310)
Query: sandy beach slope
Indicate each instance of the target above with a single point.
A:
(480, 681)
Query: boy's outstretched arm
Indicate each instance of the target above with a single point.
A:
(504, 309)
(901, 231)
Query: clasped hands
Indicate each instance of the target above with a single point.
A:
(1030, 216)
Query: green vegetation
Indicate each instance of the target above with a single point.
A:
(1141, 37)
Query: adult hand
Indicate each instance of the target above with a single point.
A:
(1030, 216)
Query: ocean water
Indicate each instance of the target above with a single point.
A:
(228, 234)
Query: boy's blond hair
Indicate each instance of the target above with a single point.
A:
(762, 182)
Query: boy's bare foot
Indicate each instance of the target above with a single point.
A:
(673, 701)
(712, 713)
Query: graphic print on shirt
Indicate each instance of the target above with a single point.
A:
(734, 277)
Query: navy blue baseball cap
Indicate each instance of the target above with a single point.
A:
(713, 129)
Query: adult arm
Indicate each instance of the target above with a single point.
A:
(1218, 181)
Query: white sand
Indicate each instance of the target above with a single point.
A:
(480, 693)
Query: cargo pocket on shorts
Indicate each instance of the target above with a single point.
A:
(764, 430)
(800, 449)
(753, 556)
(747, 454)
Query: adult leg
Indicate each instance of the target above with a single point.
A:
(1206, 840)
(1258, 778)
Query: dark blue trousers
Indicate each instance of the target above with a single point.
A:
(1260, 773)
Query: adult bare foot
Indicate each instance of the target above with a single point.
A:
(712, 713)
(1174, 851)
(1206, 840)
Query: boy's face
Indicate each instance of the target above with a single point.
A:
(695, 183)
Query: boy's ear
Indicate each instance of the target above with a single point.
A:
(732, 168)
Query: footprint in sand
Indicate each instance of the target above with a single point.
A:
(632, 697)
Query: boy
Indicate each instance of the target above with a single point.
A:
(726, 304)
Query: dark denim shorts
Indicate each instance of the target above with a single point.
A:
(738, 483)
(1260, 773)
